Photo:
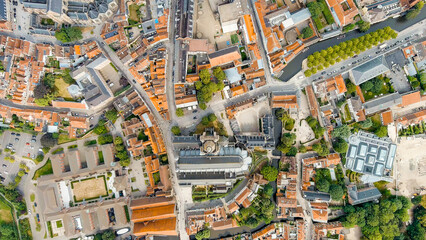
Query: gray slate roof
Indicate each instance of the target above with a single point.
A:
(369, 70)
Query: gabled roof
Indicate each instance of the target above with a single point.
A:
(223, 56)
(369, 70)
(410, 98)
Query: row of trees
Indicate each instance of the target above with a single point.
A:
(206, 86)
(379, 221)
(330, 56)
(121, 152)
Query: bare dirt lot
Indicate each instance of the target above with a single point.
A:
(248, 119)
(410, 166)
(90, 188)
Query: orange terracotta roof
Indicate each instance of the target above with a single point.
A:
(150, 214)
(158, 227)
(387, 117)
(225, 58)
(61, 104)
(233, 207)
(345, 17)
(250, 28)
(411, 98)
(320, 215)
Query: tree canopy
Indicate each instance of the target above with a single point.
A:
(336, 192)
(112, 115)
(203, 234)
(382, 131)
(321, 148)
(179, 112)
(176, 130)
(47, 140)
(379, 221)
(269, 173)
(315, 8)
(69, 34)
(340, 145)
(343, 131)
(307, 32)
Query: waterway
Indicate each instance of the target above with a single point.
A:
(398, 24)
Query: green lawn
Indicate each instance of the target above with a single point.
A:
(156, 177)
(59, 223)
(45, 170)
(5, 212)
(62, 86)
(64, 138)
(32, 197)
(234, 39)
(134, 16)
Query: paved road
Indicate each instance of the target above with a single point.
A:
(397, 24)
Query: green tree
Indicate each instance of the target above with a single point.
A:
(292, 151)
(288, 139)
(350, 87)
(343, 131)
(269, 173)
(203, 106)
(176, 130)
(69, 34)
(340, 145)
(367, 123)
(268, 190)
(108, 235)
(205, 121)
(219, 74)
(367, 86)
(412, 14)
(212, 117)
(336, 192)
(363, 26)
(100, 129)
(118, 141)
(415, 231)
(112, 115)
(205, 76)
(179, 112)
(47, 140)
(322, 185)
(321, 149)
(203, 234)
(198, 85)
(382, 131)
(307, 32)
(302, 149)
(377, 85)
(315, 8)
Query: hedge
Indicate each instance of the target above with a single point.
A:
(318, 23)
(327, 14)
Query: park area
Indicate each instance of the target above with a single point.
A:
(89, 188)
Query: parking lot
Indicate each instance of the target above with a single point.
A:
(23, 145)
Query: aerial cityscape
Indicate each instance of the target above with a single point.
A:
(213, 119)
